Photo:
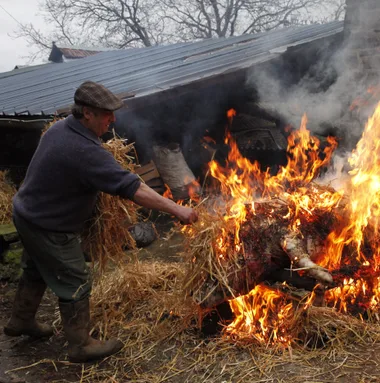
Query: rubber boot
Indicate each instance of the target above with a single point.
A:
(76, 325)
(27, 300)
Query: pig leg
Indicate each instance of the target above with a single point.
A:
(296, 249)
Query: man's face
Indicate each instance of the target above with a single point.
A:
(98, 120)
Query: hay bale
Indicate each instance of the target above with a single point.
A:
(50, 124)
(7, 191)
(106, 234)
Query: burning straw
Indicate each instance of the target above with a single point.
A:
(264, 221)
(206, 265)
(144, 305)
(7, 191)
(272, 317)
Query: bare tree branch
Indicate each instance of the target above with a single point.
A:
(126, 23)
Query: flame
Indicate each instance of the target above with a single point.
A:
(346, 244)
(167, 192)
(305, 158)
(194, 189)
(263, 314)
(231, 114)
(209, 140)
(364, 200)
(243, 181)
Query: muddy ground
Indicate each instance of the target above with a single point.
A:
(23, 351)
(20, 357)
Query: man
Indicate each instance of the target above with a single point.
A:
(58, 195)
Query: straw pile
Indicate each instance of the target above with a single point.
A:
(7, 191)
(145, 306)
(124, 294)
(202, 256)
(216, 266)
(50, 124)
(107, 234)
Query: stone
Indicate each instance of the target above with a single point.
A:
(8, 234)
(144, 233)
(10, 268)
(8, 231)
(13, 256)
(11, 237)
(15, 246)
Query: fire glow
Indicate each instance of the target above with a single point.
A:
(264, 313)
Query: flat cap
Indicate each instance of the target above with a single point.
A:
(98, 96)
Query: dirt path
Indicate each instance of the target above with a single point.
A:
(23, 351)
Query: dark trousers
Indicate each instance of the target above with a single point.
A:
(56, 258)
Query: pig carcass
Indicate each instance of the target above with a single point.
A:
(272, 245)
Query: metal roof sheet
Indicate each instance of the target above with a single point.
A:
(21, 69)
(143, 71)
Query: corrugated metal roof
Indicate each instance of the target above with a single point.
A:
(148, 70)
(21, 69)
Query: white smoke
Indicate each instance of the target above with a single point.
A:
(327, 106)
(337, 175)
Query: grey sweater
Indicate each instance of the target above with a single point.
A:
(67, 170)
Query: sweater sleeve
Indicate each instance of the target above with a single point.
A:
(101, 171)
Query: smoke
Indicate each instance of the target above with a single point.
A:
(321, 78)
(337, 175)
(181, 117)
(136, 129)
(335, 77)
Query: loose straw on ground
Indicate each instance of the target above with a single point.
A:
(145, 306)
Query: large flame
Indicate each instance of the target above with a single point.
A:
(364, 200)
(263, 312)
(363, 197)
(243, 181)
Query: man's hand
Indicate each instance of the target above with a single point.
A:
(186, 215)
(147, 197)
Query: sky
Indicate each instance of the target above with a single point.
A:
(13, 51)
